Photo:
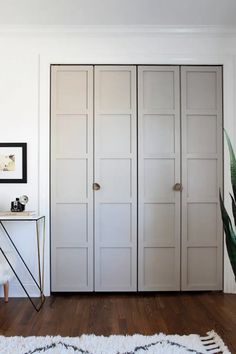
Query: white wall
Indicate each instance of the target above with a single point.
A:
(26, 55)
(114, 12)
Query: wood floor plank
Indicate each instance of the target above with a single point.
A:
(120, 313)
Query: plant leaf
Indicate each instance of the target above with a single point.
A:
(233, 208)
(232, 164)
(229, 235)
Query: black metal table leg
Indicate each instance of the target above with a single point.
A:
(41, 280)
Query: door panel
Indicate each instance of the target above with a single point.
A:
(159, 134)
(159, 178)
(159, 267)
(115, 177)
(115, 171)
(159, 170)
(201, 109)
(112, 127)
(72, 176)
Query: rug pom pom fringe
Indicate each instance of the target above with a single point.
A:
(213, 338)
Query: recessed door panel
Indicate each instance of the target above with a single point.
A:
(115, 268)
(115, 171)
(72, 222)
(159, 179)
(201, 140)
(115, 177)
(202, 178)
(72, 136)
(159, 134)
(112, 127)
(159, 223)
(201, 86)
(71, 94)
(159, 170)
(202, 267)
(67, 262)
(158, 84)
(159, 267)
(68, 172)
(202, 222)
(114, 85)
(115, 220)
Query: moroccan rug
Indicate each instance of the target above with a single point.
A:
(136, 344)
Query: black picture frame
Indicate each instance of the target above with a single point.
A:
(23, 166)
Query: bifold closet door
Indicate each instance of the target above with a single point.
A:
(72, 178)
(94, 189)
(115, 170)
(201, 111)
(159, 175)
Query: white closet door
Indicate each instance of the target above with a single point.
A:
(71, 178)
(159, 171)
(115, 172)
(202, 177)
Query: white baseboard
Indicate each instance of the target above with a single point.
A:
(15, 290)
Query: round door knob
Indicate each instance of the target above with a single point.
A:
(96, 186)
(178, 187)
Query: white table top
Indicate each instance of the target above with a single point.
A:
(20, 217)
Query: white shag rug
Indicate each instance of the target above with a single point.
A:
(136, 344)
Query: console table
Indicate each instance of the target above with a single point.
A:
(40, 283)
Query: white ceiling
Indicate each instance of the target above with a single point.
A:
(118, 12)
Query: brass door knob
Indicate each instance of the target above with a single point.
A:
(178, 187)
(96, 186)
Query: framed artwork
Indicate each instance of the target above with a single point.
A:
(13, 163)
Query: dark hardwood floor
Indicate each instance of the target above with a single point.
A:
(105, 314)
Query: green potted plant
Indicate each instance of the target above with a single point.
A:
(230, 234)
